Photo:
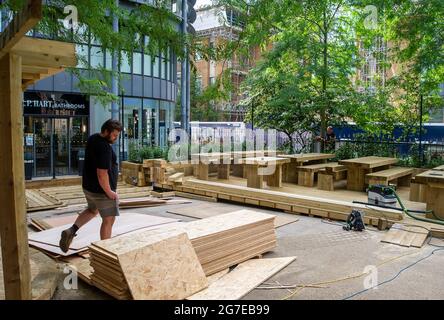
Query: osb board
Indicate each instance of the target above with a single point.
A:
(90, 232)
(243, 279)
(212, 227)
(207, 210)
(167, 269)
(214, 277)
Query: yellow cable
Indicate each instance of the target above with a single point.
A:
(345, 278)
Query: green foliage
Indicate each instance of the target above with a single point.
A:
(137, 153)
(95, 26)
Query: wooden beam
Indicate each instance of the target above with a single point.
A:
(13, 226)
(37, 52)
(21, 23)
(34, 69)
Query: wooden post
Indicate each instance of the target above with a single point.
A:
(275, 180)
(254, 180)
(13, 229)
(223, 171)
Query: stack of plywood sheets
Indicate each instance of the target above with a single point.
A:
(219, 242)
(157, 266)
(406, 236)
(39, 200)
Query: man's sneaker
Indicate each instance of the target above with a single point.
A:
(66, 239)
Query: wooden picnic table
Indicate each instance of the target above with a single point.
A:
(357, 169)
(439, 168)
(290, 171)
(257, 167)
(223, 160)
(434, 195)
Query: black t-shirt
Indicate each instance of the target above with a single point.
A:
(330, 136)
(99, 155)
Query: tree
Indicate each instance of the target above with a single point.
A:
(311, 65)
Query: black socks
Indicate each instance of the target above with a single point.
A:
(74, 228)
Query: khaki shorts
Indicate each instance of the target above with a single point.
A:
(99, 201)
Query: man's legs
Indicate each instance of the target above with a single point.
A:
(68, 235)
(85, 216)
(107, 227)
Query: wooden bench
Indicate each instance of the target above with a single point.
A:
(400, 176)
(306, 174)
(328, 176)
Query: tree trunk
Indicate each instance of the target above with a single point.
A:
(324, 81)
(290, 137)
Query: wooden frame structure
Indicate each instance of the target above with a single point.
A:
(23, 61)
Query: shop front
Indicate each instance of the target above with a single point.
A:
(55, 132)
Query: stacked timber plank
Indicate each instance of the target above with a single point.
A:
(159, 171)
(39, 200)
(219, 242)
(132, 173)
(327, 208)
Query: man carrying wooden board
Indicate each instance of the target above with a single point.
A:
(99, 182)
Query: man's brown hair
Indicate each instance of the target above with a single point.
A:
(111, 125)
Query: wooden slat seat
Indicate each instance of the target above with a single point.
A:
(399, 175)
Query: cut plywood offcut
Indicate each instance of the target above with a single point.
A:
(406, 236)
(165, 268)
(242, 279)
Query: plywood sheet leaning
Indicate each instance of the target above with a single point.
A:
(164, 268)
(406, 236)
(242, 279)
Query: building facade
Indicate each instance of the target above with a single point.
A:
(58, 118)
(215, 25)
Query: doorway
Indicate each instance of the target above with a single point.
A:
(55, 146)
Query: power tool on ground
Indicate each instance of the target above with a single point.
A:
(355, 221)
